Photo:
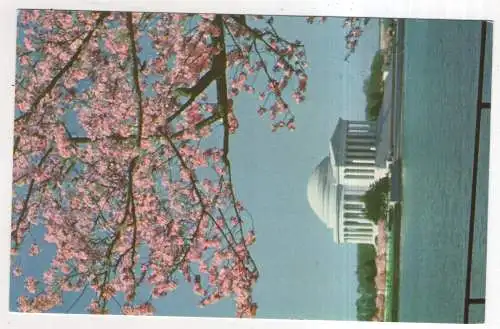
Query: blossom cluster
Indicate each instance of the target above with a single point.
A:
(127, 193)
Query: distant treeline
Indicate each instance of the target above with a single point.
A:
(366, 272)
(375, 200)
(373, 87)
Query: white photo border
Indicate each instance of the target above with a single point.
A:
(432, 9)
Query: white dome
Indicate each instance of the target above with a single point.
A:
(322, 193)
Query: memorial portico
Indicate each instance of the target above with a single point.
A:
(336, 187)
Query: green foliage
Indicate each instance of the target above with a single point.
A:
(375, 199)
(373, 87)
(366, 272)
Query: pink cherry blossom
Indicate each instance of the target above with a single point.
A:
(143, 309)
(140, 195)
(34, 250)
(23, 106)
(30, 284)
(17, 271)
(28, 44)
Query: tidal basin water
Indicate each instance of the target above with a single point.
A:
(440, 90)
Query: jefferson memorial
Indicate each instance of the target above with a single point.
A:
(356, 160)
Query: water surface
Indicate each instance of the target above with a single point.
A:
(441, 65)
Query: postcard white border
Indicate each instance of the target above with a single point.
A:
(446, 9)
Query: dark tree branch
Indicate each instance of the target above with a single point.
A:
(195, 91)
(224, 109)
(118, 233)
(135, 72)
(16, 143)
(77, 299)
(222, 84)
(217, 70)
(24, 210)
(200, 125)
(65, 68)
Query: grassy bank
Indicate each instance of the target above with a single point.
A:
(393, 266)
(395, 216)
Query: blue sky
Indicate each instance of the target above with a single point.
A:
(303, 273)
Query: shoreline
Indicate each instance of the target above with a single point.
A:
(389, 237)
(386, 38)
(392, 314)
(382, 252)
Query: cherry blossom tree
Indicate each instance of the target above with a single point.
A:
(354, 30)
(354, 27)
(111, 159)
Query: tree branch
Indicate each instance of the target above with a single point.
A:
(135, 72)
(17, 139)
(77, 298)
(222, 84)
(65, 68)
(121, 227)
(217, 70)
(22, 215)
(202, 124)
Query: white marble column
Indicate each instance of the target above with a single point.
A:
(362, 160)
(353, 170)
(360, 125)
(359, 232)
(359, 147)
(353, 205)
(359, 228)
(359, 240)
(366, 153)
(365, 134)
(356, 140)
